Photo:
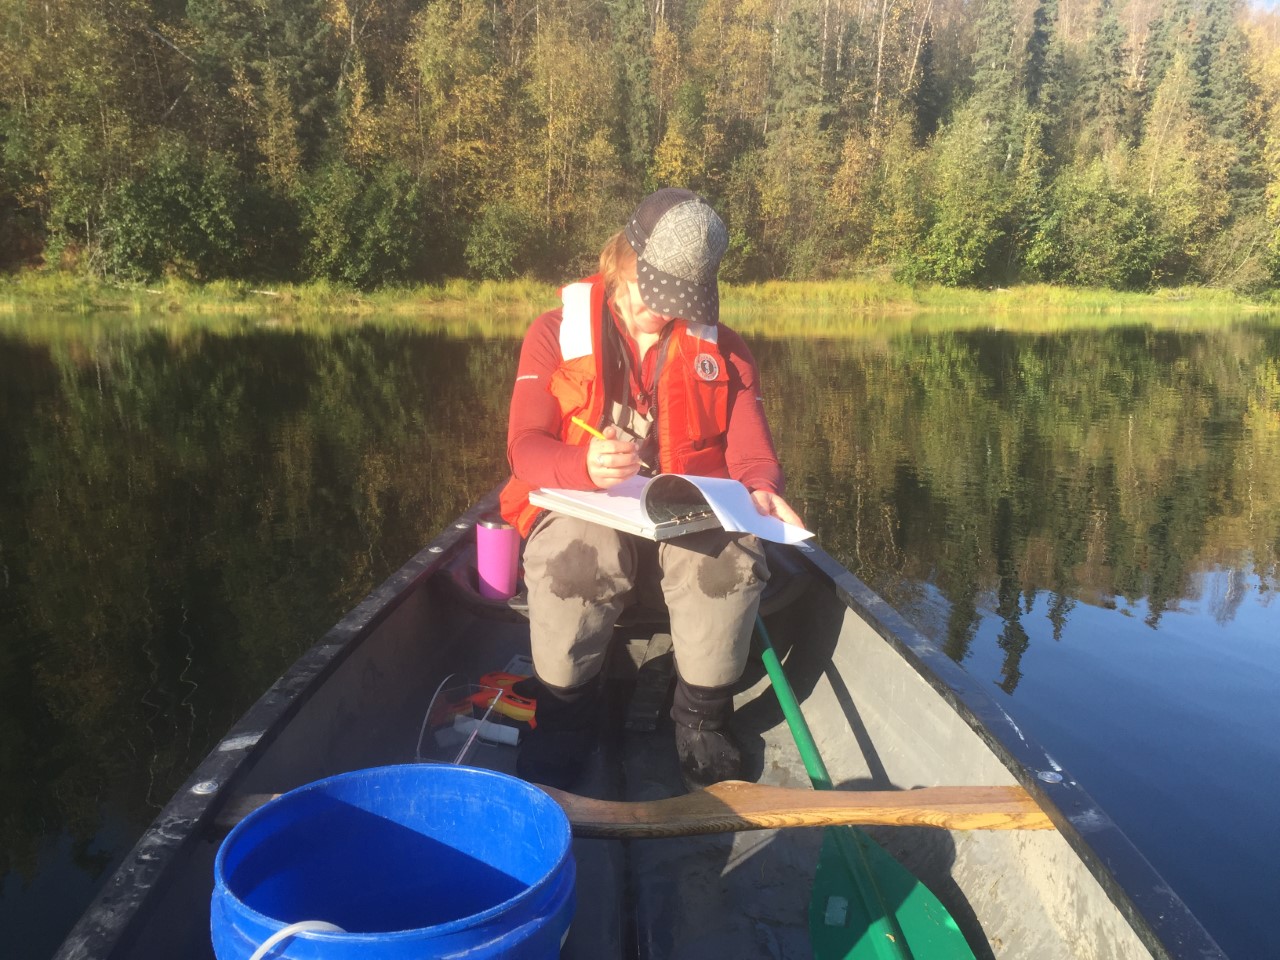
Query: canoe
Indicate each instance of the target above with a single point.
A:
(888, 710)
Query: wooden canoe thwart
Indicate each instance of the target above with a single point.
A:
(734, 806)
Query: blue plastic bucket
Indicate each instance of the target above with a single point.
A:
(425, 860)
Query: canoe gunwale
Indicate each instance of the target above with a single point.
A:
(1160, 918)
(113, 918)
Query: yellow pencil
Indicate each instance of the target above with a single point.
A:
(596, 433)
(590, 429)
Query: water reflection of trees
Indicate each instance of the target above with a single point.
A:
(1096, 466)
(183, 515)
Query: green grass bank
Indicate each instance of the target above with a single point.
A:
(504, 308)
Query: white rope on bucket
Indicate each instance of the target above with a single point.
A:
(293, 929)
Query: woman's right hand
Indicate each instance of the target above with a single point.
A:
(610, 461)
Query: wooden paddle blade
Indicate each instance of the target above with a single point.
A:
(893, 918)
(734, 806)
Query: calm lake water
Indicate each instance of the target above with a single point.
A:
(1086, 516)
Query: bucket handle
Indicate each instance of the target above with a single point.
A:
(292, 930)
(440, 713)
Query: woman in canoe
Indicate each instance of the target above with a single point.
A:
(635, 373)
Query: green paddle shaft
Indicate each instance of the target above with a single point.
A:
(884, 930)
(800, 732)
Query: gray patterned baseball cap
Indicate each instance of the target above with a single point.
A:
(679, 242)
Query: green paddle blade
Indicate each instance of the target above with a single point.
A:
(867, 906)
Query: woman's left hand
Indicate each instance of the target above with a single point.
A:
(771, 505)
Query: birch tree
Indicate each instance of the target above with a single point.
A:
(1184, 172)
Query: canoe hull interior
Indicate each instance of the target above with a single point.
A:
(888, 711)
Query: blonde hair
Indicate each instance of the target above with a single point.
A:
(617, 261)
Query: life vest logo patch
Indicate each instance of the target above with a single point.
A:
(706, 366)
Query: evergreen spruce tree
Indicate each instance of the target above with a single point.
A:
(996, 90)
(1040, 51)
(1225, 90)
(1103, 94)
(637, 110)
(973, 160)
(928, 98)
(1171, 32)
(798, 153)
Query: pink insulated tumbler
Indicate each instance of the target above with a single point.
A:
(497, 556)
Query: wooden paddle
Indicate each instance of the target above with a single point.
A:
(734, 806)
(864, 905)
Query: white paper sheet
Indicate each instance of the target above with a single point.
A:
(622, 506)
(737, 512)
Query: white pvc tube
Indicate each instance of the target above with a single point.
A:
(293, 929)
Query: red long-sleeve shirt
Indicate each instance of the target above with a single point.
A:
(539, 457)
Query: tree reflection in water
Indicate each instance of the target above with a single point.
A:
(1102, 466)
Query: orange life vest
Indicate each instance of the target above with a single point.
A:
(692, 394)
